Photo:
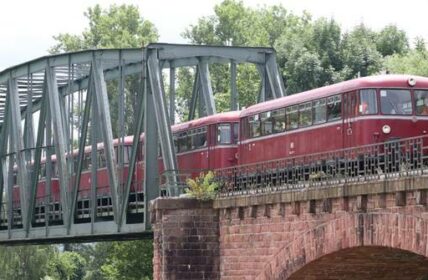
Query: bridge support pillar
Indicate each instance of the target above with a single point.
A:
(186, 239)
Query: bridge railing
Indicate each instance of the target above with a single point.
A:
(395, 158)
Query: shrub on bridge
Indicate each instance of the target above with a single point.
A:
(203, 187)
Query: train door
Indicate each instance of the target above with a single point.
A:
(350, 107)
(200, 142)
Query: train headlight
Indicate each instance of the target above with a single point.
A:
(386, 129)
(411, 82)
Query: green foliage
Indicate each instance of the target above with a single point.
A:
(414, 62)
(359, 53)
(67, 265)
(130, 260)
(420, 44)
(311, 53)
(391, 41)
(203, 187)
(25, 262)
(116, 27)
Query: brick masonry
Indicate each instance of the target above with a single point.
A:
(186, 244)
(278, 236)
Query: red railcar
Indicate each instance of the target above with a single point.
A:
(208, 143)
(204, 144)
(348, 114)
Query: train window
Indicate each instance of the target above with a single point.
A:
(101, 159)
(43, 170)
(334, 107)
(421, 102)
(87, 162)
(235, 133)
(368, 103)
(319, 111)
(159, 150)
(55, 170)
(278, 117)
(305, 114)
(395, 102)
(128, 152)
(254, 125)
(183, 142)
(175, 140)
(199, 137)
(140, 151)
(15, 177)
(292, 117)
(224, 134)
(266, 120)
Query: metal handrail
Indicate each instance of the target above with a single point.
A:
(397, 158)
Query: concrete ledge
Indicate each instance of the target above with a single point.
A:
(318, 193)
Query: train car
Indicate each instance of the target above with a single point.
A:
(348, 114)
(204, 144)
(207, 143)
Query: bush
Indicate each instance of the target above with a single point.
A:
(203, 187)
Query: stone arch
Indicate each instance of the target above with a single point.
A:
(402, 230)
(366, 262)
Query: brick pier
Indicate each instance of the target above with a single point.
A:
(293, 235)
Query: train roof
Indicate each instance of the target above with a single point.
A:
(232, 116)
(386, 81)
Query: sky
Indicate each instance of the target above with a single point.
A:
(27, 27)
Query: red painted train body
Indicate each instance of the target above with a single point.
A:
(348, 114)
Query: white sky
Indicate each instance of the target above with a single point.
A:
(27, 26)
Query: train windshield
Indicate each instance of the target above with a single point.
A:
(421, 102)
(396, 102)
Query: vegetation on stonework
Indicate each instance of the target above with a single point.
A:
(310, 53)
(203, 187)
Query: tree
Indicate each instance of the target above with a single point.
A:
(391, 41)
(414, 62)
(234, 24)
(359, 54)
(130, 260)
(25, 262)
(118, 27)
(67, 265)
(420, 44)
(309, 54)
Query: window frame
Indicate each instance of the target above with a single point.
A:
(403, 89)
(414, 102)
(305, 108)
(376, 92)
(341, 107)
(218, 134)
(313, 111)
(296, 111)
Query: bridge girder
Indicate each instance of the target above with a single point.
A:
(53, 107)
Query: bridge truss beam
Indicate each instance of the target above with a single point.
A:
(68, 168)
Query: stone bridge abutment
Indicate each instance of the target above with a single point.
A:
(290, 235)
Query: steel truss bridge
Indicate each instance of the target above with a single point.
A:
(53, 107)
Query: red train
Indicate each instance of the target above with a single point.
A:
(348, 114)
